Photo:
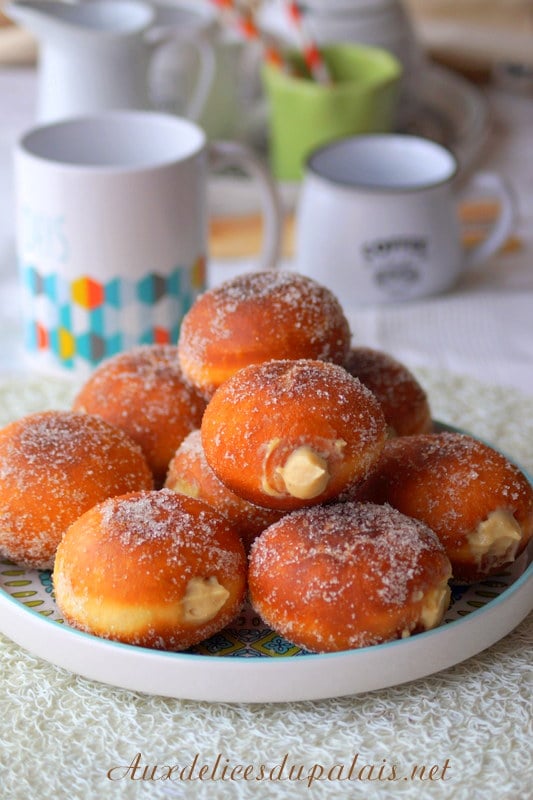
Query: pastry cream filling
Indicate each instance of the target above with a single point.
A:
(434, 607)
(203, 599)
(184, 487)
(305, 473)
(499, 535)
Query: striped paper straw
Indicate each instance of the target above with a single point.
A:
(311, 54)
(243, 20)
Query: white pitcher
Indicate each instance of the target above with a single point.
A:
(96, 55)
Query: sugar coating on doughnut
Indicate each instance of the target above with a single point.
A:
(144, 392)
(257, 317)
(190, 474)
(477, 501)
(54, 465)
(348, 575)
(403, 400)
(286, 434)
(154, 569)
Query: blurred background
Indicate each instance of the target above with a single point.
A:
(475, 36)
(467, 83)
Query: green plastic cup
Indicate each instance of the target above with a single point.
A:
(304, 114)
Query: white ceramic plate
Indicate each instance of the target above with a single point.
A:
(247, 662)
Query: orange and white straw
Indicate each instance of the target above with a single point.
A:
(243, 20)
(311, 54)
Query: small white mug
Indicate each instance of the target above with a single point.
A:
(377, 219)
(112, 226)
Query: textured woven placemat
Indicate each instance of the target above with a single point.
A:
(468, 727)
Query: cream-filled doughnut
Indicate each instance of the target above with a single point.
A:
(478, 503)
(403, 400)
(154, 569)
(258, 317)
(144, 392)
(54, 465)
(190, 474)
(348, 575)
(286, 434)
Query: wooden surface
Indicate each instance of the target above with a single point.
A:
(240, 237)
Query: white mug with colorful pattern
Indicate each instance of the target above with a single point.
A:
(112, 231)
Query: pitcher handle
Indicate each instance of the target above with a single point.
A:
(488, 184)
(204, 80)
(225, 154)
(195, 104)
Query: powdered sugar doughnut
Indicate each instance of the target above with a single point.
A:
(348, 575)
(54, 465)
(154, 569)
(403, 400)
(478, 503)
(258, 317)
(144, 392)
(287, 434)
(190, 474)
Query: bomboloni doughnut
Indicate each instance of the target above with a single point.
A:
(286, 434)
(479, 504)
(348, 575)
(190, 474)
(54, 465)
(154, 569)
(403, 400)
(258, 317)
(144, 392)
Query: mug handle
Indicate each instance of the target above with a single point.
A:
(161, 35)
(490, 184)
(230, 154)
